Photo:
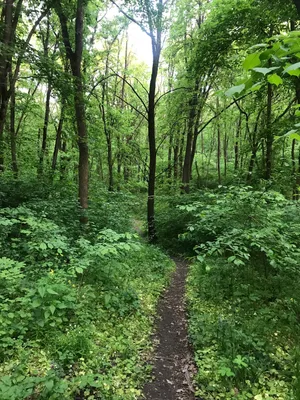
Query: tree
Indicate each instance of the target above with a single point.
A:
(151, 22)
(75, 59)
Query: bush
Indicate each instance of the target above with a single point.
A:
(243, 293)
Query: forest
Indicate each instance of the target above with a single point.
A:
(149, 152)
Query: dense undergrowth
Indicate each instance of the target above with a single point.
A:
(243, 291)
(76, 306)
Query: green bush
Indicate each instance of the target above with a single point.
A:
(243, 294)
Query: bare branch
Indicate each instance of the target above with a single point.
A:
(131, 18)
(132, 106)
(171, 91)
(132, 88)
(285, 111)
(221, 112)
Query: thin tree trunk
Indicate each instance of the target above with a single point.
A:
(152, 145)
(180, 157)
(269, 137)
(236, 145)
(218, 144)
(186, 173)
(170, 155)
(176, 156)
(57, 146)
(45, 131)
(13, 138)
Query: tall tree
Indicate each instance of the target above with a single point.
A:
(74, 57)
(151, 22)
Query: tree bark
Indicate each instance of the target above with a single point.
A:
(75, 59)
(57, 146)
(13, 136)
(236, 145)
(269, 136)
(152, 143)
(186, 173)
(218, 144)
(45, 131)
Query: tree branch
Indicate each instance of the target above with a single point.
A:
(285, 111)
(171, 91)
(64, 28)
(132, 88)
(221, 112)
(131, 18)
(20, 58)
(132, 106)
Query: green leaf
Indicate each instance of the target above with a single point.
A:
(79, 270)
(51, 291)
(255, 87)
(258, 46)
(42, 291)
(293, 70)
(49, 385)
(43, 246)
(251, 61)
(235, 89)
(52, 309)
(275, 79)
(262, 70)
(36, 303)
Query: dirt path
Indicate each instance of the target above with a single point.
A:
(173, 366)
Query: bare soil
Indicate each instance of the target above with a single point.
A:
(173, 366)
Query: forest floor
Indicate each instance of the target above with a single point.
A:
(173, 361)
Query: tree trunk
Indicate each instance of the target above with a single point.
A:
(170, 156)
(176, 161)
(152, 145)
(75, 59)
(58, 138)
(251, 164)
(13, 138)
(218, 144)
(236, 145)
(269, 136)
(186, 173)
(45, 131)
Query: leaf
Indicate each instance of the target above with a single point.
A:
(235, 89)
(52, 309)
(79, 270)
(258, 46)
(36, 303)
(255, 87)
(275, 79)
(251, 61)
(51, 291)
(42, 291)
(49, 385)
(295, 136)
(262, 70)
(43, 246)
(293, 70)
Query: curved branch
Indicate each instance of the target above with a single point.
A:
(171, 91)
(132, 88)
(131, 18)
(221, 112)
(132, 106)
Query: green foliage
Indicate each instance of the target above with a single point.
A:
(75, 307)
(243, 294)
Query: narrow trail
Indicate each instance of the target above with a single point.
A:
(173, 363)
